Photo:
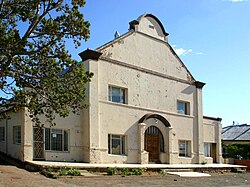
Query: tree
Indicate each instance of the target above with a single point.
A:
(36, 70)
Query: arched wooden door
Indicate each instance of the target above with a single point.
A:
(154, 143)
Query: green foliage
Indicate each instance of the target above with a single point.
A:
(112, 171)
(37, 71)
(137, 171)
(69, 171)
(125, 171)
(238, 151)
(204, 162)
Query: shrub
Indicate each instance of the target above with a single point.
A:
(111, 171)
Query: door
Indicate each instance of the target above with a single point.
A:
(152, 147)
(153, 141)
(38, 143)
(213, 152)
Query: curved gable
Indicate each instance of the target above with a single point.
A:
(151, 25)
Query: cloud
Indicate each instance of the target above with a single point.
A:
(236, 1)
(181, 51)
(199, 53)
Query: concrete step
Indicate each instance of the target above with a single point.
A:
(176, 170)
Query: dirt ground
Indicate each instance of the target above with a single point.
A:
(11, 176)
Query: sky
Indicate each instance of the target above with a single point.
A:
(212, 37)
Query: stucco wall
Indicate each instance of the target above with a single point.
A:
(77, 141)
(144, 51)
(8, 146)
(146, 93)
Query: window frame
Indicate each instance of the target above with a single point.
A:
(51, 144)
(122, 94)
(186, 107)
(207, 149)
(2, 134)
(122, 143)
(17, 134)
(186, 150)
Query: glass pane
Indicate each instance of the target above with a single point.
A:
(117, 95)
(47, 139)
(123, 145)
(66, 140)
(56, 142)
(182, 148)
(180, 107)
(109, 148)
(116, 146)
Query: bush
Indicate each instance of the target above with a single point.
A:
(238, 151)
(124, 171)
(111, 171)
(69, 171)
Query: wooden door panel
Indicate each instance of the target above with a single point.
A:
(153, 147)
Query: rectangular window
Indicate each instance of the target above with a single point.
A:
(17, 134)
(207, 149)
(183, 107)
(117, 95)
(56, 139)
(184, 148)
(116, 144)
(2, 134)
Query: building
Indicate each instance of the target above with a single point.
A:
(144, 107)
(236, 134)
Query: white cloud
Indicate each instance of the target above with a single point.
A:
(181, 51)
(199, 53)
(236, 1)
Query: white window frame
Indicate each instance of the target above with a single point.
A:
(122, 94)
(2, 134)
(207, 149)
(50, 142)
(184, 148)
(185, 110)
(121, 150)
(17, 135)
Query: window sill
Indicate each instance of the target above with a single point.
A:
(184, 156)
(17, 143)
(52, 151)
(117, 155)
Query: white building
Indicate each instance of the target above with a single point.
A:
(144, 106)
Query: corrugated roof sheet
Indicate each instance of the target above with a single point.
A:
(236, 132)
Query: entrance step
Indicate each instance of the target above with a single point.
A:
(189, 174)
(176, 170)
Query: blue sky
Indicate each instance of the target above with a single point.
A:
(212, 37)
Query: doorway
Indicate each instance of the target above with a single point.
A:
(38, 143)
(154, 143)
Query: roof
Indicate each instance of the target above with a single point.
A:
(236, 132)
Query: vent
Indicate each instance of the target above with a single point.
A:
(117, 34)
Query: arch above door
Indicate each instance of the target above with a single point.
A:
(156, 116)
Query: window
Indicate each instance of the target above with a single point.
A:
(184, 148)
(56, 139)
(183, 107)
(117, 94)
(207, 149)
(17, 134)
(2, 134)
(116, 144)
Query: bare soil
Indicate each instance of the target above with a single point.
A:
(13, 176)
